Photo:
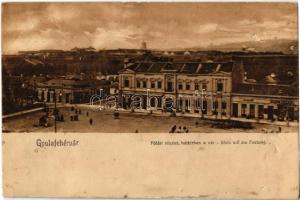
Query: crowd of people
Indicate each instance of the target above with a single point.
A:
(180, 129)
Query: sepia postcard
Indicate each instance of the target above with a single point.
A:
(150, 100)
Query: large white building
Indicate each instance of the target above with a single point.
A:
(187, 87)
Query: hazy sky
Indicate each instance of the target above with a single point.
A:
(33, 26)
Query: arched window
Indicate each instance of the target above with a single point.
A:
(152, 102)
(187, 105)
(179, 107)
(204, 107)
(169, 104)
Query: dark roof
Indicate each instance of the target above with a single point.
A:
(132, 66)
(168, 67)
(181, 67)
(259, 89)
(207, 68)
(156, 67)
(143, 67)
(72, 83)
(227, 67)
(189, 68)
(283, 68)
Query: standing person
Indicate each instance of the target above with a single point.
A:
(87, 114)
(279, 129)
(174, 129)
(179, 131)
(91, 121)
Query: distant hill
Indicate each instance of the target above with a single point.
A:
(279, 45)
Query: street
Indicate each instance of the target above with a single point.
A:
(104, 121)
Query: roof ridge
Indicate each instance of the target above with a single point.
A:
(199, 67)
(182, 68)
(218, 67)
(152, 64)
(138, 65)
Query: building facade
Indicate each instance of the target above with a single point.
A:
(62, 90)
(249, 87)
(201, 88)
(266, 88)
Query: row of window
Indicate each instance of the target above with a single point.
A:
(289, 113)
(143, 84)
(200, 105)
(270, 111)
(188, 86)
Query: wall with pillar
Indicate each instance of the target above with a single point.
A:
(257, 101)
(64, 93)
